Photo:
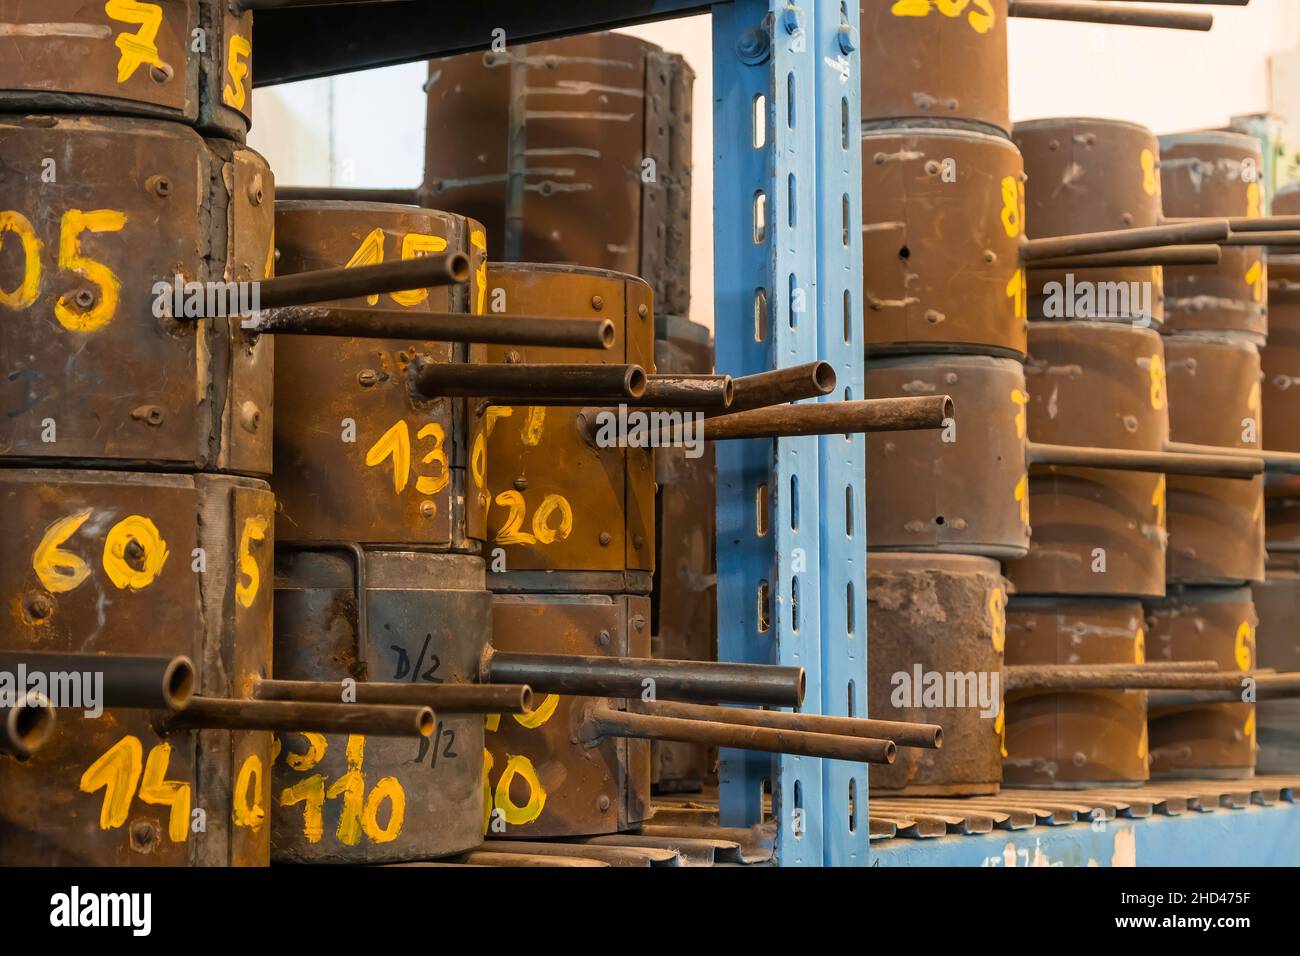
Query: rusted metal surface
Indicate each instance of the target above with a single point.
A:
(1078, 738)
(943, 216)
(558, 501)
(910, 413)
(1087, 175)
(1216, 526)
(1214, 173)
(357, 456)
(937, 502)
(685, 597)
(1277, 646)
(941, 63)
(943, 614)
(1096, 384)
(185, 60)
(789, 384)
(427, 621)
(540, 780)
(100, 372)
(102, 562)
(574, 150)
(1203, 740)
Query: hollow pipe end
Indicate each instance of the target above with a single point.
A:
(938, 738)
(803, 686)
(458, 267)
(891, 752)
(634, 383)
(29, 723)
(728, 391)
(178, 683)
(607, 334)
(949, 408)
(525, 699)
(424, 721)
(824, 377)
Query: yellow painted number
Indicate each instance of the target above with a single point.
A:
(233, 93)
(24, 294)
(75, 222)
(1242, 644)
(140, 47)
(250, 575)
(120, 774)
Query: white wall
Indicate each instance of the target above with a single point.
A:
(367, 129)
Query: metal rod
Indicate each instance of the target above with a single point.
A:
(1155, 256)
(443, 698)
(219, 713)
(902, 733)
(704, 392)
(1267, 687)
(1116, 240)
(1275, 462)
(1176, 462)
(830, 418)
(810, 380)
(327, 285)
(150, 682)
(605, 722)
(26, 725)
(1136, 677)
(402, 197)
(1290, 237)
(1246, 223)
(1104, 13)
(435, 327)
(535, 384)
(705, 681)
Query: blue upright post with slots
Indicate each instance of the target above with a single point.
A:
(789, 592)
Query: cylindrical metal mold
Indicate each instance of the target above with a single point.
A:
(943, 217)
(1203, 740)
(560, 497)
(1091, 175)
(1096, 531)
(1277, 646)
(936, 62)
(938, 622)
(576, 149)
(427, 619)
(1079, 738)
(133, 563)
(184, 60)
(684, 602)
(964, 489)
(541, 780)
(104, 366)
(1216, 525)
(358, 457)
(1215, 173)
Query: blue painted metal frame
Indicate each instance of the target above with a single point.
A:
(1257, 836)
(791, 581)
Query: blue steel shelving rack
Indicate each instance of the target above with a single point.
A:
(788, 276)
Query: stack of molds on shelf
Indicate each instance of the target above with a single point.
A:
(1064, 421)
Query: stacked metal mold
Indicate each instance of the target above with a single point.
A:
(952, 300)
(137, 437)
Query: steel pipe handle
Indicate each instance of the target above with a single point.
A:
(130, 680)
(1116, 240)
(327, 285)
(831, 418)
(1204, 463)
(704, 681)
(1106, 13)
(605, 722)
(220, 713)
(443, 698)
(534, 384)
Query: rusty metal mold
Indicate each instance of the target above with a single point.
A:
(964, 490)
(104, 370)
(1203, 740)
(188, 60)
(1215, 173)
(131, 563)
(1096, 531)
(1216, 525)
(684, 601)
(427, 619)
(556, 499)
(357, 456)
(936, 614)
(937, 63)
(570, 150)
(1089, 175)
(943, 218)
(1079, 738)
(540, 779)
(1277, 646)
